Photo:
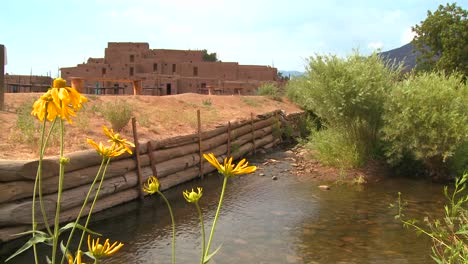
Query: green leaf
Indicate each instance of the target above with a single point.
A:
(39, 238)
(207, 258)
(71, 225)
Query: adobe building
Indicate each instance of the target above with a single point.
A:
(127, 66)
(27, 83)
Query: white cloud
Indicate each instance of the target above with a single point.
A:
(375, 45)
(407, 36)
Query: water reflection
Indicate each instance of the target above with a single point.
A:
(289, 220)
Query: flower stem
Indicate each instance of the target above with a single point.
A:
(37, 186)
(200, 214)
(216, 215)
(42, 151)
(94, 200)
(59, 196)
(82, 208)
(173, 225)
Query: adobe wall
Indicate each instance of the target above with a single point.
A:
(187, 70)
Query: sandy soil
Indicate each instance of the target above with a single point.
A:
(157, 117)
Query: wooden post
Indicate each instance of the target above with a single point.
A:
(137, 157)
(151, 158)
(2, 77)
(229, 140)
(137, 87)
(200, 143)
(253, 132)
(78, 84)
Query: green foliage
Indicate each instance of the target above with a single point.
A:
(270, 90)
(207, 102)
(347, 96)
(118, 113)
(250, 101)
(209, 56)
(29, 127)
(442, 40)
(427, 116)
(331, 147)
(450, 234)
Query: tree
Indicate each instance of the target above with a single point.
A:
(442, 40)
(426, 117)
(209, 56)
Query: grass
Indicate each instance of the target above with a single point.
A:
(250, 101)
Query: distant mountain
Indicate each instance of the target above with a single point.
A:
(291, 74)
(406, 54)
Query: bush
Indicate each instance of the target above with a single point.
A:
(427, 116)
(118, 113)
(270, 90)
(332, 148)
(347, 96)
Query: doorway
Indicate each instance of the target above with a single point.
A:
(168, 89)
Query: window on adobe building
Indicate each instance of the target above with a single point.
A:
(195, 71)
(132, 58)
(131, 71)
(103, 71)
(155, 67)
(203, 85)
(173, 68)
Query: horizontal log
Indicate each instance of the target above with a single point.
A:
(20, 213)
(10, 233)
(84, 176)
(101, 204)
(14, 170)
(10, 191)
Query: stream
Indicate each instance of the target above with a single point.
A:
(288, 220)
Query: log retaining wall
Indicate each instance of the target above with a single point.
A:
(175, 160)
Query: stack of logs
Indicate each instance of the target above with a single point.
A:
(176, 160)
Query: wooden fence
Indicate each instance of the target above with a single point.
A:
(174, 160)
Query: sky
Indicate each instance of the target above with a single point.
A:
(43, 35)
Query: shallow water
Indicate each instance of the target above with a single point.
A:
(289, 220)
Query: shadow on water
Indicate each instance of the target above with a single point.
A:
(288, 220)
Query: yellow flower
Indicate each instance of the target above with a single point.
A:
(59, 100)
(193, 197)
(59, 83)
(109, 152)
(45, 104)
(228, 169)
(78, 258)
(117, 141)
(152, 186)
(103, 250)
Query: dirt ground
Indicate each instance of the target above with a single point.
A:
(157, 117)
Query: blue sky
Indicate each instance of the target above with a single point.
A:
(43, 35)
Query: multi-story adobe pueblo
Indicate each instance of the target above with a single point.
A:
(135, 68)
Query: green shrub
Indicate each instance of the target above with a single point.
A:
(332, 148)
(28, 127)
(118, 113)
(207, 102)
(270, 90)
(427, 116)
(347, 96)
